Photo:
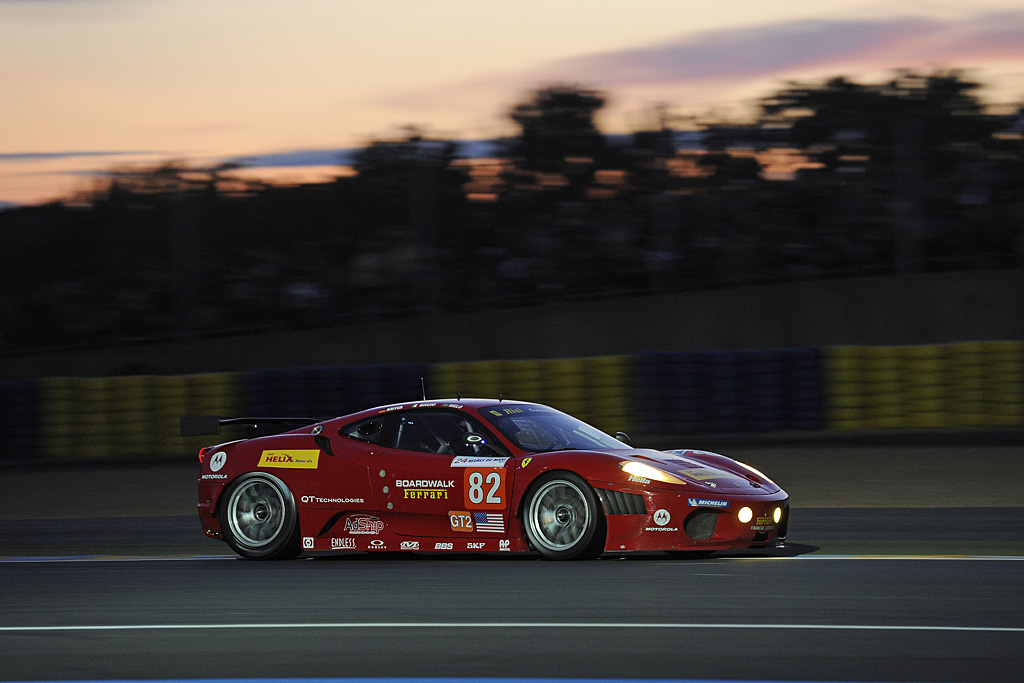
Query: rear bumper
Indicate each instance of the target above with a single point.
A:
(207, 508)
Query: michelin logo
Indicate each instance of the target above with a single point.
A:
(706, 503)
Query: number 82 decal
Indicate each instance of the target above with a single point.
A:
(484, 488)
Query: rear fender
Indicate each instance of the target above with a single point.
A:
(222, 465)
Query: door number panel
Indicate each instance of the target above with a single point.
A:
(484, 488)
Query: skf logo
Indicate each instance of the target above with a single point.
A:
(301, 459)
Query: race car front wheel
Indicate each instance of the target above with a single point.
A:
(259, 519)
(563, 517)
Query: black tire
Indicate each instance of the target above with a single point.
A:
(563, 517)
(258, 518)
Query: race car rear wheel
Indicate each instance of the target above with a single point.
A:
(259, 519)
(563, 518)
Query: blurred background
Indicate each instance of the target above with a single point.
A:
(668, 222)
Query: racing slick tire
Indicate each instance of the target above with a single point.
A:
(259, 519)
(563, 517)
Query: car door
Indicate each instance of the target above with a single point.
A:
(441, 478)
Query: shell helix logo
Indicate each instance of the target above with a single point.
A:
(301, 459)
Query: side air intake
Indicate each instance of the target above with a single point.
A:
(619, 503)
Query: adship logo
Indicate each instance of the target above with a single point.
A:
(301, 459)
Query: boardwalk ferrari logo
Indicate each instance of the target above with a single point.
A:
(420, 489)
(301, 459)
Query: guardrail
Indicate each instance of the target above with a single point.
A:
(843, 389)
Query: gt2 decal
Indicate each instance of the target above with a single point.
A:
(485, 488)
(460, 520)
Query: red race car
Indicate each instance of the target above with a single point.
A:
(474, 475)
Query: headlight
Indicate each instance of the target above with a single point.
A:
(777, 515)
(745, 515)
(755, 471)
(642, 471)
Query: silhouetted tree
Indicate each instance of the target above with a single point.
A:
(556, 123)
(840, 123)
(559, 146)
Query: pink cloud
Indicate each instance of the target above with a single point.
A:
(777, 51)
(714, 66)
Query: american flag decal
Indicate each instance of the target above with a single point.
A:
(489, 522)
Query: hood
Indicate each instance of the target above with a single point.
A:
(706, 471)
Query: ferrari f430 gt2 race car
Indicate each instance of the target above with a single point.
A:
(474, 475)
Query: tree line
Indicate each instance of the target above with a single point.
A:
(828, 180)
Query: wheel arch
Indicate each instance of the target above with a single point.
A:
(286, 542)
(594, 546)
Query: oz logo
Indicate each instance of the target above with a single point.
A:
(661, 517)
(218, 460)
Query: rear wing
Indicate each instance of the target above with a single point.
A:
(203, 425)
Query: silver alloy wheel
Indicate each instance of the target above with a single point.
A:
(256, 512)
(559, 515)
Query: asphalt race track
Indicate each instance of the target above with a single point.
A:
(177, 605)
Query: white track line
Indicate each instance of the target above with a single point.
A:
(40, 559)
(512, 625)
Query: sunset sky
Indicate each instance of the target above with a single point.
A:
(89, 85)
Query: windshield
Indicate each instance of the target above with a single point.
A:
(539, 428)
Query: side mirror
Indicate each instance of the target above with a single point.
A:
(623, 437)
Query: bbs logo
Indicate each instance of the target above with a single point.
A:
(443, 546)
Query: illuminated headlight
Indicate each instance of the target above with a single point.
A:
(639, 470)
(777, 515)
(754, 470)
(745, 515)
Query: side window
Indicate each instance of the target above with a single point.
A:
(440, 432)
(372, 430)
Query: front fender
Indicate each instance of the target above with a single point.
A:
(600, 470)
